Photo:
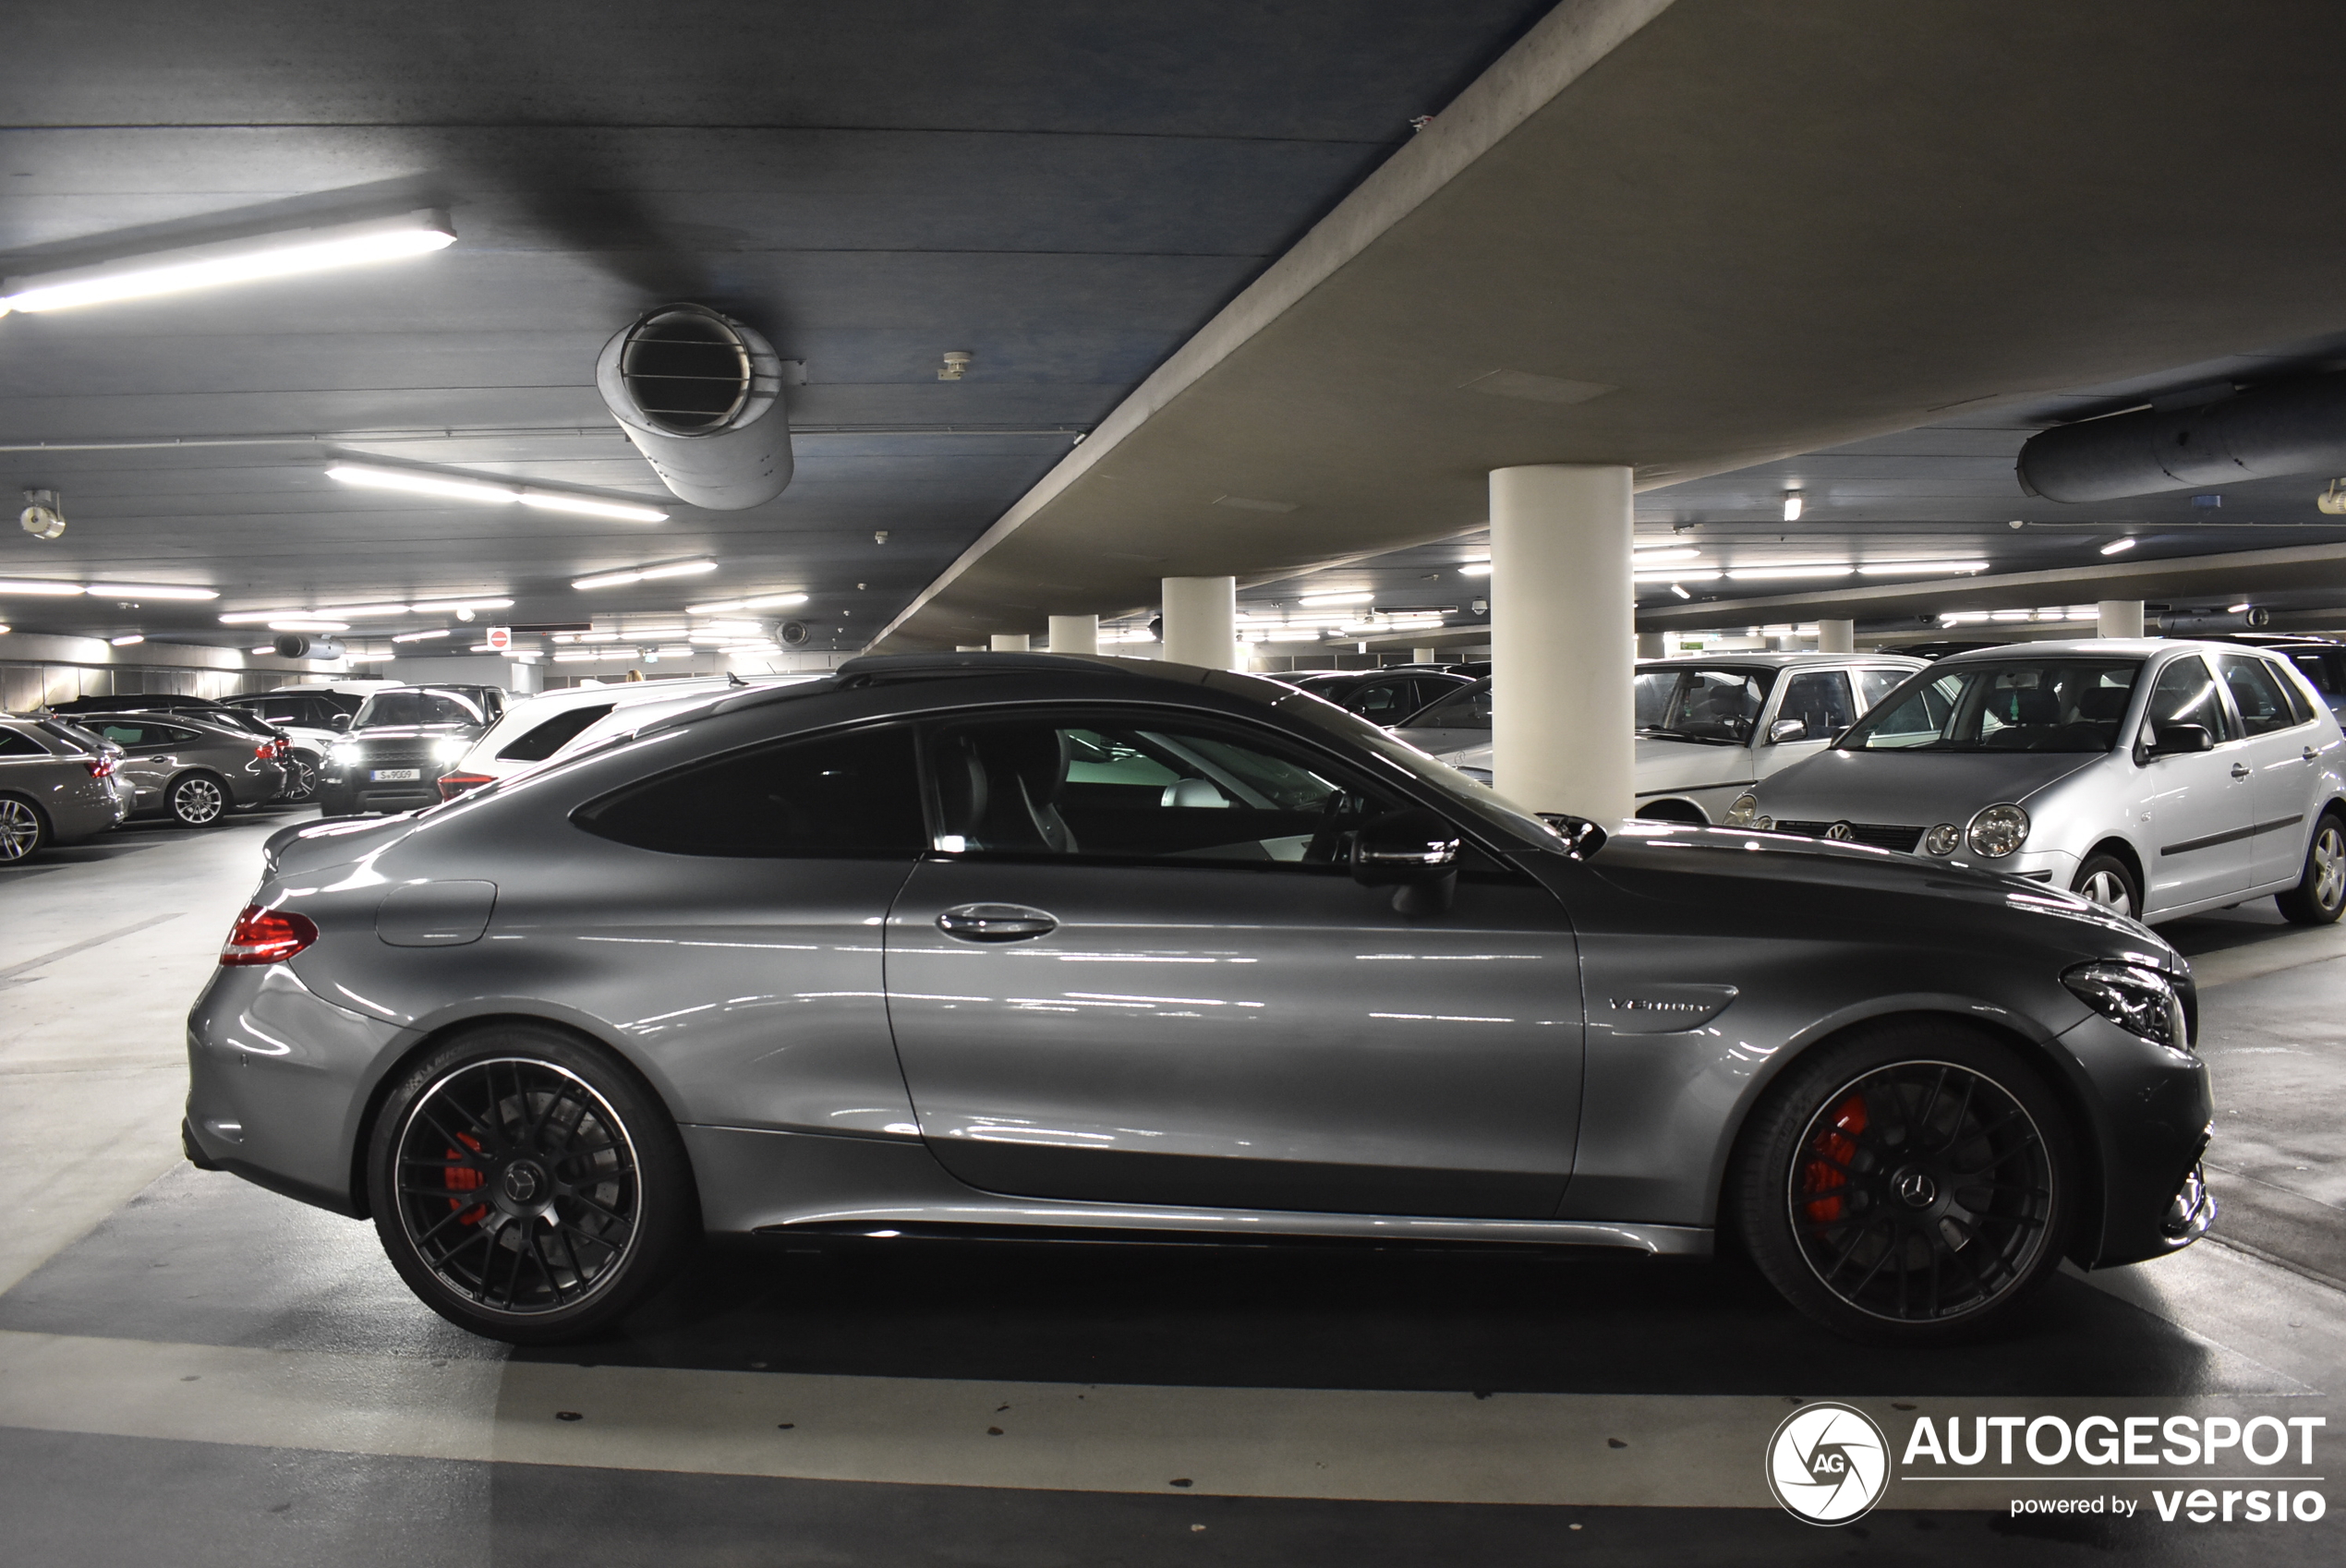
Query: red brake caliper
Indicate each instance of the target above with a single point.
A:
(463, 1178)
(1838, 1145)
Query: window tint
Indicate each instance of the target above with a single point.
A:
(1470, 708)
(2186, 694)
(831, 796)
(543, 740)
(2257, 693)
(133, 733)
(1117, 787)
(1875, 684)
(1819, 699)
(17, 743)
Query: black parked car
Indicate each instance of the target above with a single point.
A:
(400, 742)
(1381, 697)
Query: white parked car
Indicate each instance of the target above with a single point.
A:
(2157, 778)
(1709, 727)
(535, 729)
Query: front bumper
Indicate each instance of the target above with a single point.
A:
(2151, 1113)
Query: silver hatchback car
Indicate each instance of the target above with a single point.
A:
(2157, 778)
(1051, 943)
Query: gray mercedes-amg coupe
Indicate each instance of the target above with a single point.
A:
(1013, 940)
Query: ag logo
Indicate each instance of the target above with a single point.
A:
(1828, 1464)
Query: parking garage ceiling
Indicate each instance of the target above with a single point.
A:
(1065, 191)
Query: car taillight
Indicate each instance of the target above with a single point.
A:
(100, 767)
(454, 784)
(282, 746)
(267, 936)
(266, 751)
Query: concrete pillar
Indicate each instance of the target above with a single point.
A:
(1836, 636)
(1075, 634)
(1653, 645)
(2121, 618)
(1422, 655)
(1562, 632)
(1201, 621)
(1008, 642)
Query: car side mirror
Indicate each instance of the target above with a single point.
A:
(339, 722)
(2179, 740)
(1784, 730)
(1414, 851)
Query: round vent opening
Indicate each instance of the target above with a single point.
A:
(688, 371)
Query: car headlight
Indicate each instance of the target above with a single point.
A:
(448, 751)
(1997, 832)
(1944, 840)
(1746, 808)
(2139, 1000)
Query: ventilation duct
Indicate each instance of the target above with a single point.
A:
(2269, 432)
(292, 644)
(2187, 625)
(700, 394)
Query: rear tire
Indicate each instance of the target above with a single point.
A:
(528, 1185)
(2106, 880)
(2320, 894)
(301, 777)
(196, 800)
(24, 832)
(1910, 1185)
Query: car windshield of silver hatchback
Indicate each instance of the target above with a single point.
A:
(418, 707)
(1718, 705)
(2041, 705)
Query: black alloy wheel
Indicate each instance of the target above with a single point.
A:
(23, 830)
(527, 1185)
(196, 800)
(1911, 1186)
(301, 778)
(2105, 880)
(2320, 894)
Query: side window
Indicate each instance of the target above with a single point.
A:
(1469, 709)
(1381, 702)
(1135, 787)
(130, 733)
(16, 743)
(1875, 684)
(2257, 694)
(2319, 670)
(2186, 694)
(847, 796)
(543, 740)
(1819, 698)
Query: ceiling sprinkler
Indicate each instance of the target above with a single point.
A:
(44, 515)
(957, 363)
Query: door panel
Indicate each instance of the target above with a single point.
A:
(2284, 759)
(1270, 1039)
(2201, 803)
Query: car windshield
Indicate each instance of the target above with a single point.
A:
(2038, 704)
(1706, 703)
(1468, 707)
(418, 707)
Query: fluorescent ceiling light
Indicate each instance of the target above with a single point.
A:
(371, 658)
(641, 634)
(308, 624)
(643, 574)
(2236, 609)
(1336, 599)
(1919, 567)
(484, 647)
(148, 591)
(489, 492)
(595, 655)
(1666, 576)
(1680, 589)
(254, 617)
(1819, 570)
(2118, 547)
(132, 641)
(231, 261)
(261, 650)
(449, 606)
(2011, 615)
(420, 636)
(1475, 569)
(1792, 506)
(1664, 552)
(354, 611)
(760, 601)
(29, 586)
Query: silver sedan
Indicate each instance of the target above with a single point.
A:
(2157, 778)
(56, 787)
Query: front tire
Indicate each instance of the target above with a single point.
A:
(196, 800)
(2320, 894)
(24, 832)
(301, 778)
(2106, 880)
(528, 1185)
(1910, 1185)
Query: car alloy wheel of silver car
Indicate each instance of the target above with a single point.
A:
(2105, 880)
(1909, 1185)
(524, 1186)
(197, 800)
(21, 829)
(2320, 895)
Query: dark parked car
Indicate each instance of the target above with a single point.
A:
(55, 788)
(187, 766)
(300, 768)
(401, 741)
(1381, 697)
(1014, 941)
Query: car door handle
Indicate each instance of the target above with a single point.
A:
(996, 923)
(2239, 770)
(2310, 754)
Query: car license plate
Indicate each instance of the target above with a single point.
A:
(395, 774)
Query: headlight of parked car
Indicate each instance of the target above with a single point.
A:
(1744, 810)
(1944, 840)
(448, 751)
(1998, 831)
(2139, 1000)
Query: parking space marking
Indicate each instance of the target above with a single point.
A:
(8, 976)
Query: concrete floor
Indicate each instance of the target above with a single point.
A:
(193, 1371)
